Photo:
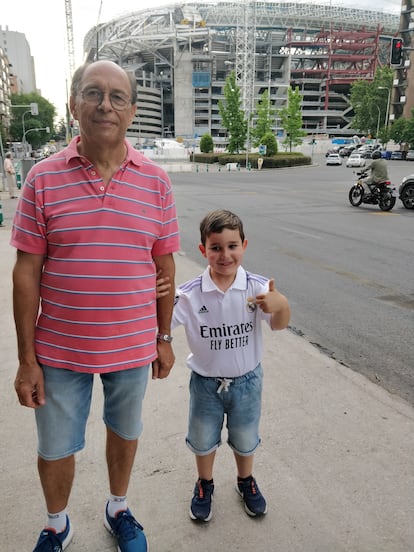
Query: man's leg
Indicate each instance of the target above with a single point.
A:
(120, 456)
(56, 477)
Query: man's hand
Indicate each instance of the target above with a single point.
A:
(29, 386)
(161, 367)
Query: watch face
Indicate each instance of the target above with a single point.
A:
(164, 337)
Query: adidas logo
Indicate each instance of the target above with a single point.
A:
(203, 309)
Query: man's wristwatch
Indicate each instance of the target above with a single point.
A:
(164, 337)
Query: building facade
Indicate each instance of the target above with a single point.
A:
(17, 49)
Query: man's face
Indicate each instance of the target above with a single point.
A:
(104, 121)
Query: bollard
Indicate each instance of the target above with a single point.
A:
(206, 167)
(219, 168)
(238, 166)
(1, 215)
(196, 168)
(249, 166)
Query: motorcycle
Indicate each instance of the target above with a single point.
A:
(382, 194)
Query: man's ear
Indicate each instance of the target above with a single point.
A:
(202, 249)
(245, 244)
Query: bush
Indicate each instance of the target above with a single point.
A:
(270, 142)
(206, 144)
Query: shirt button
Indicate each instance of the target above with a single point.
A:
(102, 188)
(93, 173)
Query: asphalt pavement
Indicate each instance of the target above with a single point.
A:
(335, 464)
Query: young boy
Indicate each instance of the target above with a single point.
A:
(222, 310)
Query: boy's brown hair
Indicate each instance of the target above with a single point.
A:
(216, 221)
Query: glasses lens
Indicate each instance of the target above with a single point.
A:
(92, 96)
(119, 101)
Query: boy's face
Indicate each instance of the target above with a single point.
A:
(224, 252)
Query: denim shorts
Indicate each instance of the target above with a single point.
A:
(211, 398)
(61, 422)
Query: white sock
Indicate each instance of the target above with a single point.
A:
(57, 521)
(116, 504)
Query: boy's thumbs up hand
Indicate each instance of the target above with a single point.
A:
(270, 301)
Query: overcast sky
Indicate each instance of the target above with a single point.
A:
(44, 24)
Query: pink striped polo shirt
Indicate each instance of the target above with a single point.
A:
(98, 306)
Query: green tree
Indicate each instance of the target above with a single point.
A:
(206, 144)
(291, 119)
(20, 115)
(232, 116)
(270, 142)
(409, 130)
(265, 114)
(369, 100)
(398, 131)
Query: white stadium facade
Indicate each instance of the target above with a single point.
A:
(181, 54)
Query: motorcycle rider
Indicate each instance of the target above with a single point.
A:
(379, 171)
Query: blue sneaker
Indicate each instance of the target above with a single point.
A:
(128, 532)
(254, 502)
(50, 541)
(200, 508)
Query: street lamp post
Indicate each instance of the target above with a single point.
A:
(378, 123)
(388, 103)
(24, 133)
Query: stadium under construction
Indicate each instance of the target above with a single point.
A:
(181, 54)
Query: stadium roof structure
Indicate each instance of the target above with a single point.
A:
(145, 28)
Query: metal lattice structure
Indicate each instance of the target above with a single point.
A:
(69, 37)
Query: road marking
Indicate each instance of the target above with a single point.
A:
(300, 233)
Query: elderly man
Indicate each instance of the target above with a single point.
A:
(95, 224)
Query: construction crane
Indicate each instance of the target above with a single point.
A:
(69, 37)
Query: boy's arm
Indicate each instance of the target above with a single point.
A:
(166, 267)
(277, 305)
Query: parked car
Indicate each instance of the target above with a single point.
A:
(334, 159)
(346, 150)
(410, 155)
(406, 191)
(396, 155)
(355, 160)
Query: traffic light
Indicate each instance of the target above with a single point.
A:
(396, 51)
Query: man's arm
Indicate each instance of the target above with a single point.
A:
(26, 296)
(166, 268)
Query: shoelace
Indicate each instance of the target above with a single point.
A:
(50, 542)
(126, 526)
(224, 385)
(201, 493)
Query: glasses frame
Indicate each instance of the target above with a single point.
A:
(101, 96)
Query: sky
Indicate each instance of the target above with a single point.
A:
(44, 24)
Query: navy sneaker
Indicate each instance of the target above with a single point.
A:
(254, 502)
(128, 532)
(50, 541)
(200, 508)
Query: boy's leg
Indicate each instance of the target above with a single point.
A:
(244, 464)
(205, 465)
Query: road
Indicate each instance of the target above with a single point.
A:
(348, 272)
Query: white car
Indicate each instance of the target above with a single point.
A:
(334, 159)
(355, 160)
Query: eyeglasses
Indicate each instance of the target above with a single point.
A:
(94, 96)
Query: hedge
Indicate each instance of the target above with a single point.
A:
(279, 160)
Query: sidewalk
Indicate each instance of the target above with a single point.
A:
(336, 461)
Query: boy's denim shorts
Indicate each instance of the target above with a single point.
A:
(210, 399)
(61, 422)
